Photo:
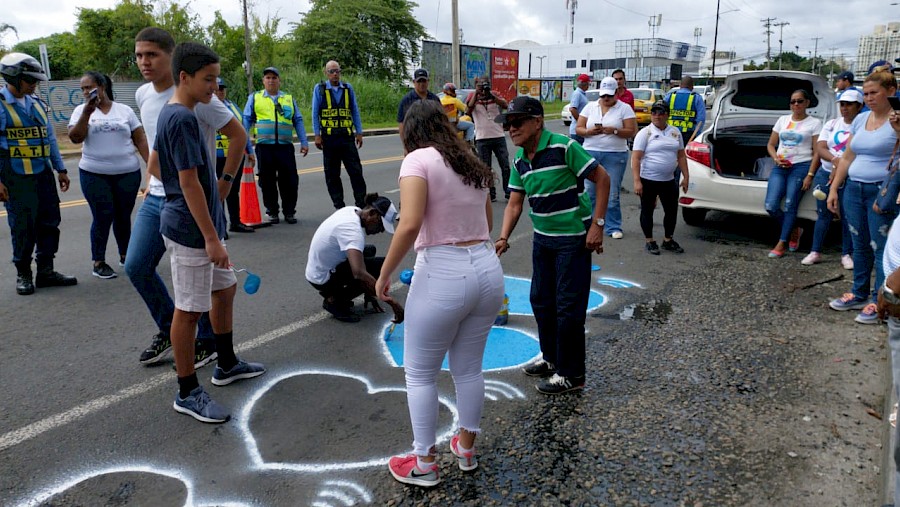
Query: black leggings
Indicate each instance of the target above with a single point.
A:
(667, 191)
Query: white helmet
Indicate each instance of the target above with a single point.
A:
(15, 66)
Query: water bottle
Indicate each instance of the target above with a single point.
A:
(503, 315)
(406, 276)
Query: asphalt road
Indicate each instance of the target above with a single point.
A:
(81, 422)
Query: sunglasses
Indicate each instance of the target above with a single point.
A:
(30, 80)
(798, 101)
(515, 123)
(334, 71)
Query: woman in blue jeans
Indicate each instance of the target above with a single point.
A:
(832, 143)
(110, 169)
(873, 137)
(791, 145)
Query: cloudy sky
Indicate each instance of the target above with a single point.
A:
(497, 22)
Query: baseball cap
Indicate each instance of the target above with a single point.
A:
(583, 78)
(449, 86)
(846, 75)
(880, 63)
(388, 213)
(221, 83)
(850, 95)
(420, 74)
(608, 86)
(273, 70)
(660, 106)
(522, 105)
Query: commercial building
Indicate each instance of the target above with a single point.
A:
(882, 44)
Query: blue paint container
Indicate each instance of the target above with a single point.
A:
(503, 315)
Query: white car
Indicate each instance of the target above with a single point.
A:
(592, 95)
(728, 160)
(708, 92)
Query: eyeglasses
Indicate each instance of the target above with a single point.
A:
(334, 71)
(658, 112)
(29, 79)
(515, 123)
(797, 101)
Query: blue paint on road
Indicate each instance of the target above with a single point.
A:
(519, 290)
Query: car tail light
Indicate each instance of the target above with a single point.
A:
(698, 152)
(686, 200)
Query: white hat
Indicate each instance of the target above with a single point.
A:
(850, 95)
(608, 86)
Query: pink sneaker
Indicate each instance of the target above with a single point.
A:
(847, 261)
(467, 461)
(405, 470)
(812, 258)
(794, 241)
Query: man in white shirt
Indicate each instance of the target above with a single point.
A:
(153, 51)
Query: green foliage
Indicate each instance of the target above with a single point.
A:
(179, 21)
(5, 28)
(376, 37)
(105, 37)
(62, 52)
(226, 41)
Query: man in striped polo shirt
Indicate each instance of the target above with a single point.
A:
(550, 170)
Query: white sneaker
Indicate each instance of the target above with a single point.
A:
(847, 261)
(812, 258)
(617, 235)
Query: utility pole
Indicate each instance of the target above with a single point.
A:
(815, 53)
(654, 22)
(715, 39)
(454, 46)
(780, 41)
(697, 33)
(248, 67)
(831, 67)
(768, 24)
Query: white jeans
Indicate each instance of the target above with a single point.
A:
(453, 300)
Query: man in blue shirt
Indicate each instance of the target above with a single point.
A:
(28, 156)
(419, 92)
(579, 100)
(335, 119)
(276, 116)
(687, 112)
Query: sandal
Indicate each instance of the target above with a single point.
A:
(775, 254)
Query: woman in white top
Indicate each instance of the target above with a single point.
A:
(658, 151)
(833, 142)
(791, 145)
(109, 170)
(457, 288)
(606, 126)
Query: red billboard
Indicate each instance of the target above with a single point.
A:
(504, 72)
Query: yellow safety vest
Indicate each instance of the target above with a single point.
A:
(335, 120)
(273, 127)
(27, 138)
(221, 139)
(682, 118)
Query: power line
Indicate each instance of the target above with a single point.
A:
(768, 24)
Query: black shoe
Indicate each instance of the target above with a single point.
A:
(239, 227)
(652, 247)
(204, 353)
(540, 369)
(340, 312)
(291, 219)
(159, 348)
(50, 278)
(493, 194)
(672, 246)
(273, 219)
(559, 385)
(103, 271)
(24, 285)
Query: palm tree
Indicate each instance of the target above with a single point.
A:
(4, 28)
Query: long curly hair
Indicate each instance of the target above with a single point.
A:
(426, 125)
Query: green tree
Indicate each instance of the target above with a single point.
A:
(180, 22)
(62, 53)
(105, 37)
(376, 37)
(5, 28)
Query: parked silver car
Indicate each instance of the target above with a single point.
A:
(728, 160)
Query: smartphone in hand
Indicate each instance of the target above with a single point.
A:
(895, 102)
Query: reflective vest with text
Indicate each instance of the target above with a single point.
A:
(222, 139)
(27, 138)
(274, 127)
(681, 111)
(335, 119)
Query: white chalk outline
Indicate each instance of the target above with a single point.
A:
(257, 462)
(363, 494)
(508, 390)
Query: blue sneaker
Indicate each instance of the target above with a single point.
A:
(241, 370)
(848, 302)
(868, 315)
(199, 406)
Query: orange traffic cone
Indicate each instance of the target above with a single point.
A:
(250, 215)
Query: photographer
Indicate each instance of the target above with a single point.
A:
(484, 105)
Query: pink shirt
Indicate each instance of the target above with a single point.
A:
(454, 212)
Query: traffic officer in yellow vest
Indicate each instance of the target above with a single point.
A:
(233, 200)
(687, 112)
(335, 119)
(28, 156)
(276, 117)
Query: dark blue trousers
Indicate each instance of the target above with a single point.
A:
(337, 149)
(33, 215)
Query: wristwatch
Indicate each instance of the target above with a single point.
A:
(227, 177)
(889, 295)
(601, 222)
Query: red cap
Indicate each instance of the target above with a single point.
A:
(583, 78)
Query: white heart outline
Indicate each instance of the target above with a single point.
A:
(257, 462)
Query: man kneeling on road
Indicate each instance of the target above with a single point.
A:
(336, 265)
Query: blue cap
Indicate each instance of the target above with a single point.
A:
(273, 70)
(880, 63)
(221, 83)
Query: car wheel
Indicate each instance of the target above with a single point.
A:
(693, 216)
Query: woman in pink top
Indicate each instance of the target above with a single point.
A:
(457, 288)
